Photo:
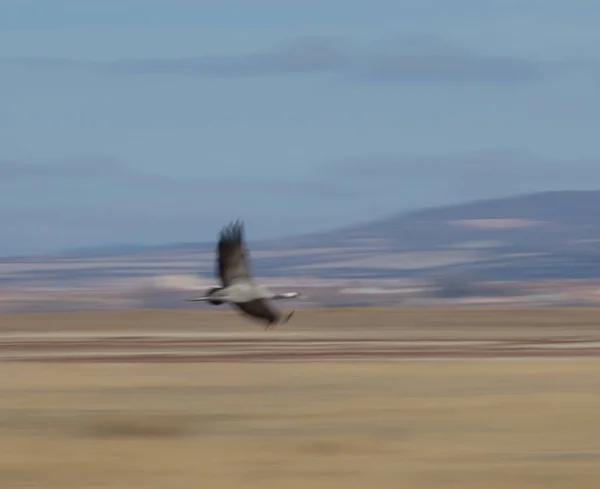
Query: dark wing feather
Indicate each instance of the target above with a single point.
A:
(233, 261)
(260, 309)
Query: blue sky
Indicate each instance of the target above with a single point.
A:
(147, 121)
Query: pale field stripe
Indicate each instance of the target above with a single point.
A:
(254, 350)
(214, 339)
(407, 260)
(155, 357)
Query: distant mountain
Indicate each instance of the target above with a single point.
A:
(530, 222)
(549, 235)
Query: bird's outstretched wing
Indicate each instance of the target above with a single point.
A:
(260, 309)
(233, 261)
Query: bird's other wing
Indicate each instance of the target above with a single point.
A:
(233, 261)
(260, 309)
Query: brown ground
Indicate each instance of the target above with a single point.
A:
(329, 334)
(454, 425)
(347, 426)
(364, 321)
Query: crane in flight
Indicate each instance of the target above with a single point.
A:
(238, 287)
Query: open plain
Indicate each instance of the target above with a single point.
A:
(324, 335)
(334, 399)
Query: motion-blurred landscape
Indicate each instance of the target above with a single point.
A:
(424, 172)
(338, 398)
(534, 249)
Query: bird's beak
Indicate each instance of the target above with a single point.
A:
(196, 299)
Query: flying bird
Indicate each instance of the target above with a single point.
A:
(237, 285)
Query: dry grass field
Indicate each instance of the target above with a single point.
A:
(467, 424)
(417, 323)
(397, 425)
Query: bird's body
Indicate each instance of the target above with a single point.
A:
(241, 292)
(237, 285)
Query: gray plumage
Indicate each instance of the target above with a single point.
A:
(237, 285)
